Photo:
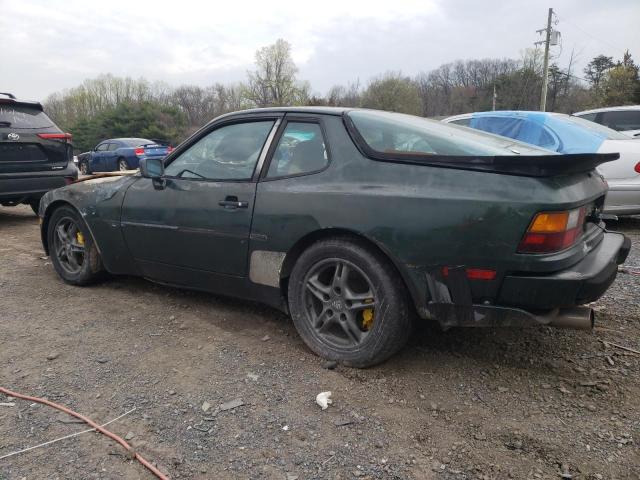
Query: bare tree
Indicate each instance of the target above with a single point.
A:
(274, 80)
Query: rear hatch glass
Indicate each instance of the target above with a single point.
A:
(22, 117)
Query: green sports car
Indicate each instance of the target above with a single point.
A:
(356, 222)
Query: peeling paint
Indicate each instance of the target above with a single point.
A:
(265, 267)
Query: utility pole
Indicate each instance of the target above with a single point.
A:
(545, 73)
(494, 97)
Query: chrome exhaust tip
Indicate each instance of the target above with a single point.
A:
(578, 318)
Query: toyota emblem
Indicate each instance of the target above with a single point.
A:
(13, 136)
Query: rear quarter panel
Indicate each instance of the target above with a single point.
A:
(422, 217)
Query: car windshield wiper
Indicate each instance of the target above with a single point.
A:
(189, 171)
(4, 123)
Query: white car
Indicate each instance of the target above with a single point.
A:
(569, 134)
(622, 119)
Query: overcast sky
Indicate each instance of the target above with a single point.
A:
(51, 45)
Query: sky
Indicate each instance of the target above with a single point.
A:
(52, 45)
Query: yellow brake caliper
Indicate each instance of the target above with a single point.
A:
(80, 238)
(367, 316)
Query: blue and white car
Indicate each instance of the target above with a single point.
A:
(120, 154)
(568, 134)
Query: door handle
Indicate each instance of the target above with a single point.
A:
(233, 203)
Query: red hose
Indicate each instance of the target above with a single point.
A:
(93, 424)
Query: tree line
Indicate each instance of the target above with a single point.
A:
(109, 106)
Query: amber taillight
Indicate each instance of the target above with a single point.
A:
(553, 231)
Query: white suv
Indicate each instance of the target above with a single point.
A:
(623, 119)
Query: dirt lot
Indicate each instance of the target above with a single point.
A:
(494, 403)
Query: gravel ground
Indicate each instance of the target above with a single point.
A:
(461, 404)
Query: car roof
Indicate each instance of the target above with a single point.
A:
(319, 110)
(127, 138)
(505, 113)
(315, 109)
(8, 98)
(609, 109)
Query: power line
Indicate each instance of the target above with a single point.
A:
(591, 35)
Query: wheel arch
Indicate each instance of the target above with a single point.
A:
(47, 216)
(313, 237)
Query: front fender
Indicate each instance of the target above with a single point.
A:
(99, 202)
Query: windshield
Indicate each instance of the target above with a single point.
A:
(21, 116)
(608, 133)
(395, 133)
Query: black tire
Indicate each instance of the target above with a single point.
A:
(89, 265)
(123, 165)
(373, 274)
(34, 203)
(84, 168)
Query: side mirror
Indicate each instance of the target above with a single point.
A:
(152, 167)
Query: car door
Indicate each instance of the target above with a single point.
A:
(200, 219)
(97, 157)
(110, 157)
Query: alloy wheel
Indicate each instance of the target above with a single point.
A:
(340, 302)
(69, 245)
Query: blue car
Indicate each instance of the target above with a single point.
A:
(120, 154)
(568, 134)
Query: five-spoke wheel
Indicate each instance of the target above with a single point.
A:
(348, 303)
(340, 301)
(71, 247)
(68, 245)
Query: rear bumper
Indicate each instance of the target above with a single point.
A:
(582, 283)
(23, 186)
(522, 294)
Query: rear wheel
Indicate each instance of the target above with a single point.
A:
(348, 303)
(73, 252)
(123, 166)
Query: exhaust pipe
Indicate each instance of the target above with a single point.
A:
(579, 318)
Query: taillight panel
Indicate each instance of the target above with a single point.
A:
(56, 136)
(551, 232)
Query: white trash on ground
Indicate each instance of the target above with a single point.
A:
(323, 399)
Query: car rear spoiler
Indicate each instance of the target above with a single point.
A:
(521, 165)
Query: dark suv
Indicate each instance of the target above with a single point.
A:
(35, 155)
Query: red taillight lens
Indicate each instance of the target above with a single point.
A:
(139, 151)
(474, 273)
(553, 231)
(637, 167)
(56, 136)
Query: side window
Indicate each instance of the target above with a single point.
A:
(301, 149)
(622, 119)
(589, 116)
(465, 122)
(227, 153)
(102, 147)
(113, 146)
(547, 140)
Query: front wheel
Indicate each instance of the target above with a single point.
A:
(348, 303)
(84, 168)
(73, 253)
